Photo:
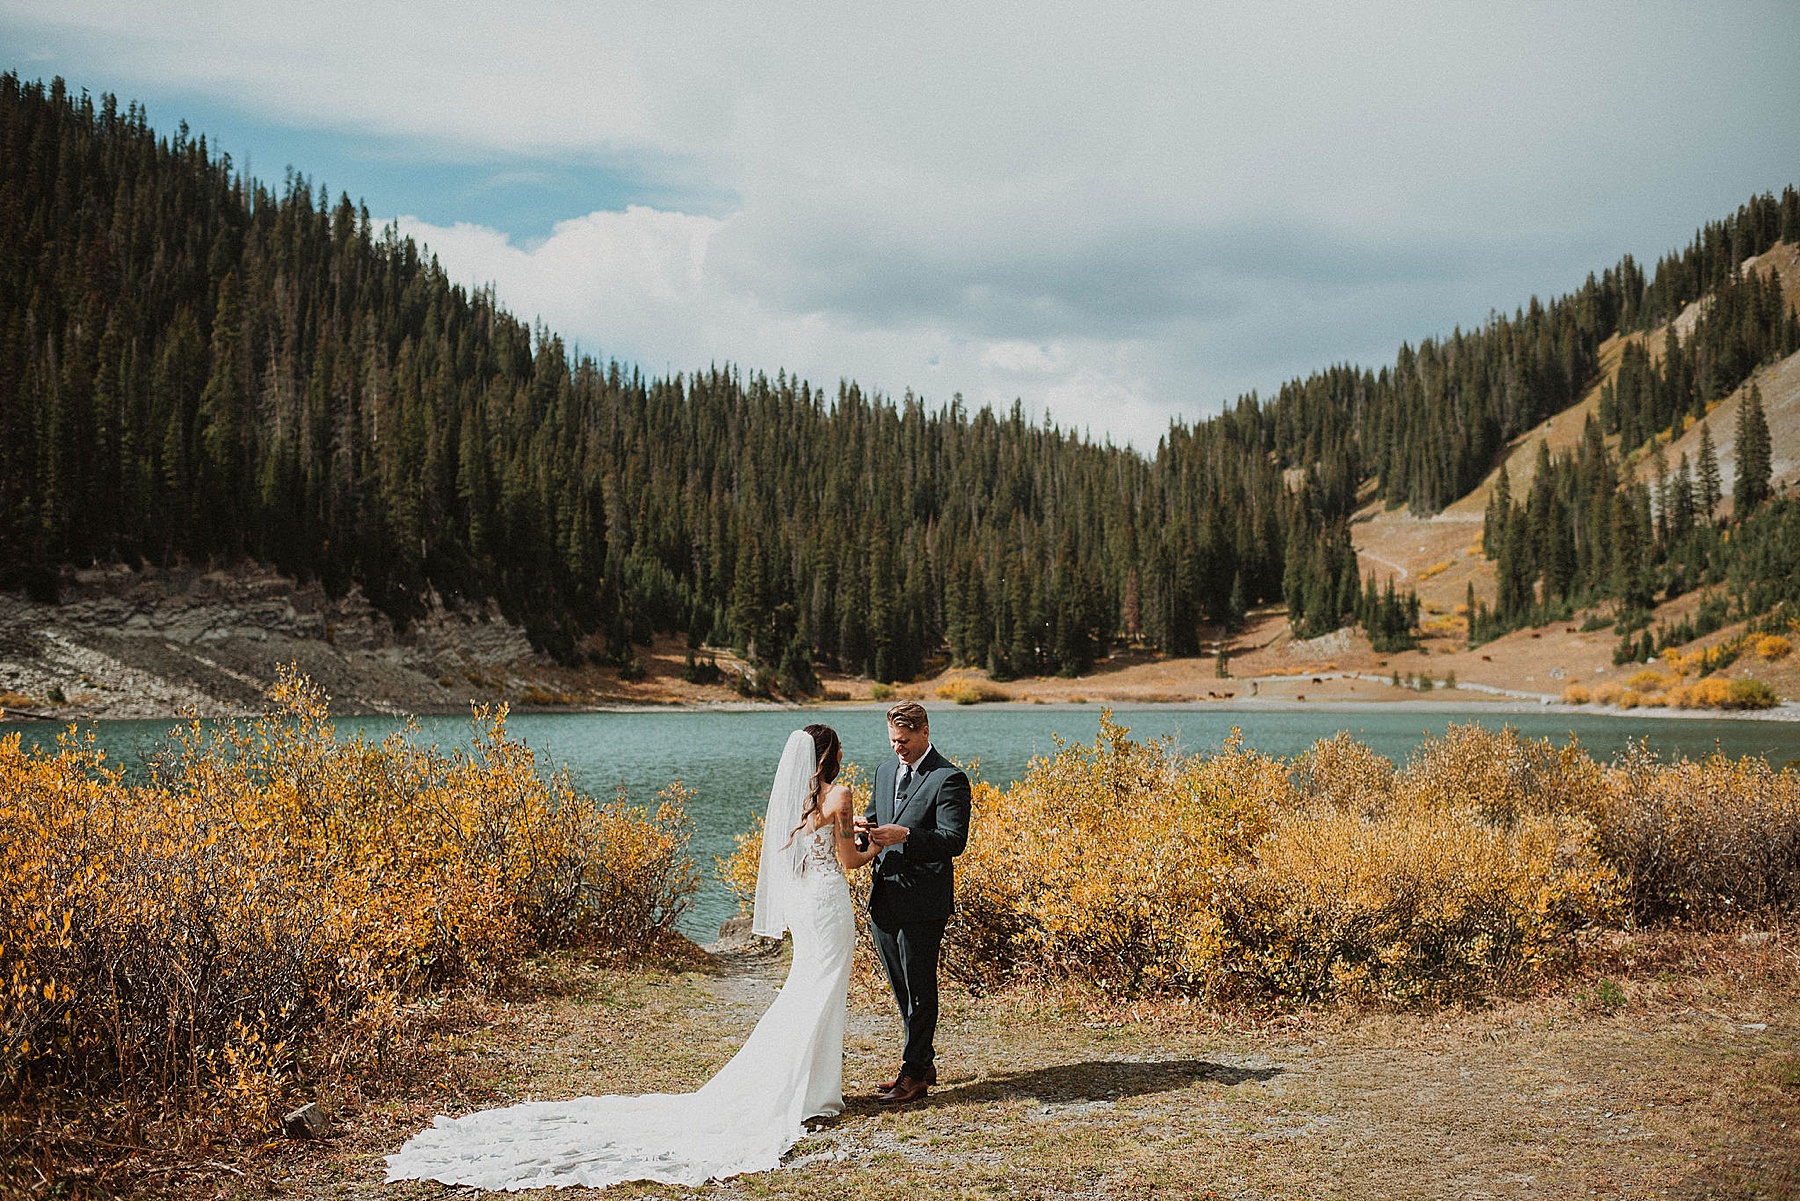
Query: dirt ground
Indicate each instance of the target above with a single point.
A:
(1671, 1069)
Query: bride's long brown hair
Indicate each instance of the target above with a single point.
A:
(828, 755)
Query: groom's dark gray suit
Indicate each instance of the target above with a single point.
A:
(914, 890)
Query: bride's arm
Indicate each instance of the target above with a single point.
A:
(840, 811)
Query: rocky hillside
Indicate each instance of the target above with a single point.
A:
(155, 643)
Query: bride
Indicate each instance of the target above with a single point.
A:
(748, 1115)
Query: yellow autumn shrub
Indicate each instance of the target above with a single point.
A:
(1131, 868)
(1772, 646)
(1710, 839)
(1701, 694)
(1463, 873)
(1096, 864)
(261, 906)
(1421, 904)
(1344, 775)
(972, 692)
(1499, 774)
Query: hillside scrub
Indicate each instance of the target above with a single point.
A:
(1670, 688)
(265, 908)
(1478, 867)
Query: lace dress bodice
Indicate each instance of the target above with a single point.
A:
(821, 853)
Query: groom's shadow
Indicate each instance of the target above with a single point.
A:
(1076, 1083)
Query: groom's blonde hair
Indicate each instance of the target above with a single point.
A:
(909, 715)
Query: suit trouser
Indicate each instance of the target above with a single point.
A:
(909, 952)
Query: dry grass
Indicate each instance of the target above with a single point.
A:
(1649, 1080)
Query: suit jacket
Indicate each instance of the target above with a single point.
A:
(916, 881)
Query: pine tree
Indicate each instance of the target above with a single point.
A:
(749, 616)
(1712, 489)
(1513, 570)
(1751, 487)
(1499, 509)
(1659, 471)
(1237, 607)
(1682, 520)
(796, 676)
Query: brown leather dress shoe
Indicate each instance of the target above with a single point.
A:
(888, 1087)
(906, 1090)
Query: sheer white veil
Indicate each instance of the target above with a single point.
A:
(778, 874)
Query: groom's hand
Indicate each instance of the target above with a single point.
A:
(888, 836)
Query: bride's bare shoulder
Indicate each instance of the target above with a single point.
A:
(836, 800)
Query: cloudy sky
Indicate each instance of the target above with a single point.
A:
(1119, 213)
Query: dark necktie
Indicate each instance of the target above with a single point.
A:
(905, 782)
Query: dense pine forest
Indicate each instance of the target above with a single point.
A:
(195, 366)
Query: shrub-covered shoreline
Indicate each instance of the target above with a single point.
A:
(1483, 865)
(273, 912)
(265, 912)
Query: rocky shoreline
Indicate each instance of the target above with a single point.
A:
(168, 642)
(159, 642)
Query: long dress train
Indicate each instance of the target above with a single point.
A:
(742, 1120)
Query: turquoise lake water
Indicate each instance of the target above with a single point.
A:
(728, 758)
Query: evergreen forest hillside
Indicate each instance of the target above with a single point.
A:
(196, 366)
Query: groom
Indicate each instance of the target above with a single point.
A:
(919, 816)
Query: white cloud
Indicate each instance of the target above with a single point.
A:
(634, 273)
(1123, 213)
(1024, 358)
(637, 286)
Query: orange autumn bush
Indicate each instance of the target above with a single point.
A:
(1098, 862)
(1499, 774)
(1771, 646)
(1701, 694)
(263, 905)
(1238, 875)
(1463, 874)
(1431, 904)
(1473, 869)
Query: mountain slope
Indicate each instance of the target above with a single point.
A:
(1442, 556)
(200, 372)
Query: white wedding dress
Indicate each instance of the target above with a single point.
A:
(742, 1120)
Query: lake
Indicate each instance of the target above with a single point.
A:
(728, 758)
